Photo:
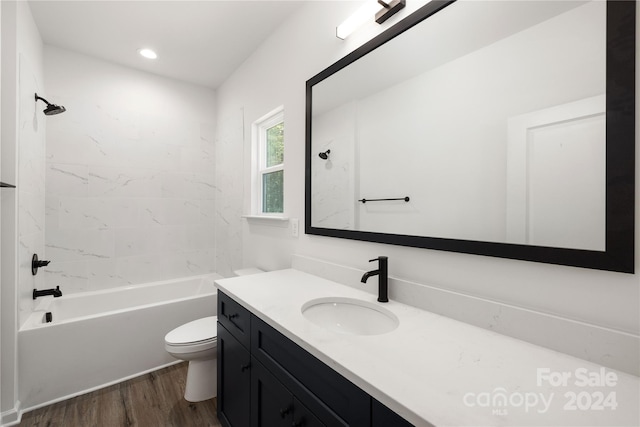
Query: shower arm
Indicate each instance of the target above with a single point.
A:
(42, 99)
(51, 109)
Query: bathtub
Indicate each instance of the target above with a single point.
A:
(100, 338)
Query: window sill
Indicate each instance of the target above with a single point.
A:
(281, 221)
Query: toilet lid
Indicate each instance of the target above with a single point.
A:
(198, 330)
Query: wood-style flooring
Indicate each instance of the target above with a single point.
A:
(152, 400)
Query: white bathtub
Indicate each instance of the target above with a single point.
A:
(100, 338)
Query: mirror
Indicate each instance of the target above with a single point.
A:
(499, 128)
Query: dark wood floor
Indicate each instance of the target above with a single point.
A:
(152, 400)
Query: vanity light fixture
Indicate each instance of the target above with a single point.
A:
(368, 9)
(355, 21)
(147, 53)
(389, 8)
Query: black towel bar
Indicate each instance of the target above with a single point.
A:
(406, 199)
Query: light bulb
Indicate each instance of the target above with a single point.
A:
(148, 53)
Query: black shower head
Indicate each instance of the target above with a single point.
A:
(52, 109)
(324, 155)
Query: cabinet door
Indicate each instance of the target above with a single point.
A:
(302, 417)
(273, 405)
(234, 380)
(271, 402)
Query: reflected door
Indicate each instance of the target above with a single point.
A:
(557, 156)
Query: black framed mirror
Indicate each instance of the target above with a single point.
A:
(503, 129)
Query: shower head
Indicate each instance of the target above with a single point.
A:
(52, 109)
(324, 155)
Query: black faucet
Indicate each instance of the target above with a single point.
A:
(383, 277)
(55, 292)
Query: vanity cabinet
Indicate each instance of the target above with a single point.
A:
(381, 416)
(235, 318)
(333, 399)
(273, 405)
(234, 363)
(267, 380)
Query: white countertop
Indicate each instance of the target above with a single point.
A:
(433, 370)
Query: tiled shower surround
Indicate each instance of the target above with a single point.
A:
(129, 182)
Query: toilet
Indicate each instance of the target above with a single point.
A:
(197, 342)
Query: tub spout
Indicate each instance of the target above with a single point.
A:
(55, 292)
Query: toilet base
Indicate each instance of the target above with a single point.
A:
(201, 380)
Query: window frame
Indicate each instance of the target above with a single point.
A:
(259, 160)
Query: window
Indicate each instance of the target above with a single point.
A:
(268, 162)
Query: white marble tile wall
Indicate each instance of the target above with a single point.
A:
(130, 189)
(229, 182)
(334, 182)
(30, 181)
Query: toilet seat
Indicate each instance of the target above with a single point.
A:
(198, 332)
(210, 340)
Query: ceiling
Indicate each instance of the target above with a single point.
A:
(200, 42)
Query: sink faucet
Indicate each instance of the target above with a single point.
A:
(55, 292)
(383, 277)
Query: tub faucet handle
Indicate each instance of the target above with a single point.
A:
(37, 263)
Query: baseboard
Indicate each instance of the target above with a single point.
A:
(606, 347)
(11, 417)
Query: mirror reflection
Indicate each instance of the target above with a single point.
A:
(488, 116)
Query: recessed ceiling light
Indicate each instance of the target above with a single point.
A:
(148, 53)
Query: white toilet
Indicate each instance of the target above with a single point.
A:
(197, 342)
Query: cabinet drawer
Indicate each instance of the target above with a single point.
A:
(235, 318)
(332, 398)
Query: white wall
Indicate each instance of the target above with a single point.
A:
(1, 222)
(23, 151)
(129, 176)
(229, 189)
(297, 51)
(31, 160)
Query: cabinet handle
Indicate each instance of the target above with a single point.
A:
(245, 367)
(299, 423)
(233, 316)
(285, 411)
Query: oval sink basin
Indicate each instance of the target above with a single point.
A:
(350, 316)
